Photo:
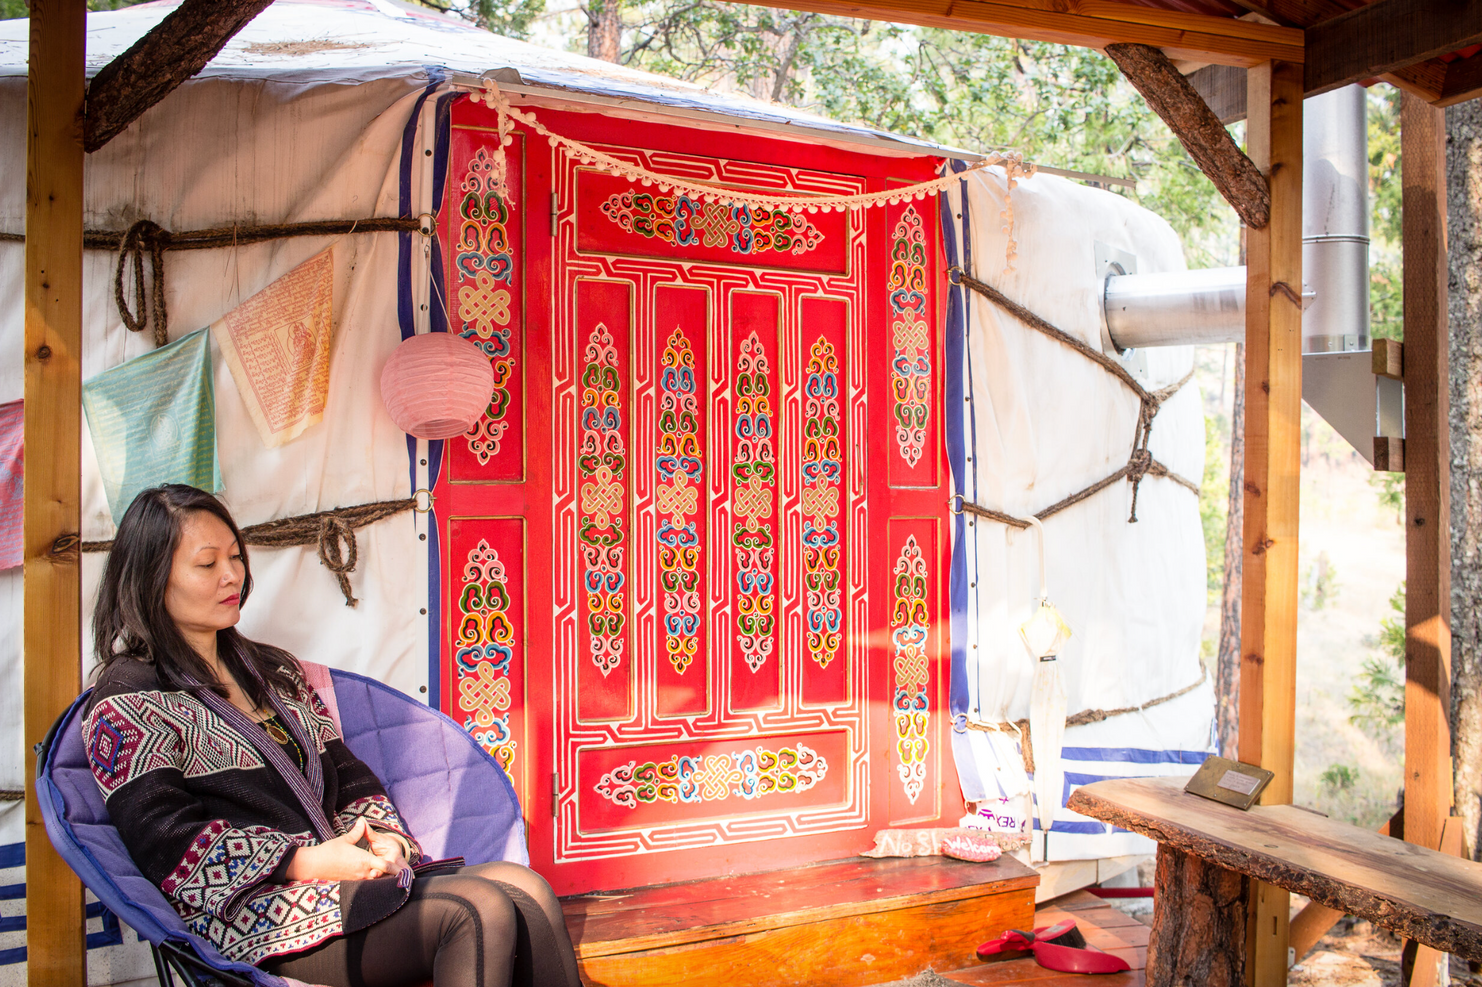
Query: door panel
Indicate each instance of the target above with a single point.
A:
(715, 499)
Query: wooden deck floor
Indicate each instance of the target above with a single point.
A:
(1103, 926)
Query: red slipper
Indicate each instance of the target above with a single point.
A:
(1016, 942)
(1059, 947)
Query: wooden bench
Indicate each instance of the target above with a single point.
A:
(1207, 852)
(839, 924)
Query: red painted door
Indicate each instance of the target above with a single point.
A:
(693, 557)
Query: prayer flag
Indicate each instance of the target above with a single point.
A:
(277, 346)
(153, 421)
(12, 469)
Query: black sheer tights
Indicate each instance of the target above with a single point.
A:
(493, 925)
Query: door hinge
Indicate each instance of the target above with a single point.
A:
(555, 788)
(553, 215)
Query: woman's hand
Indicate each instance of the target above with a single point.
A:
(340, 859)
(389, 847)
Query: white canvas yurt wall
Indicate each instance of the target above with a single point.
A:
(1041, 422)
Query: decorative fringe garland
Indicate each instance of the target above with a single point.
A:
(333, 531)
(1013, 164)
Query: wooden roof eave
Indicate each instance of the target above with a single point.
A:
(1092, 24)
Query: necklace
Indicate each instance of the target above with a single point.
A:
(275, 730)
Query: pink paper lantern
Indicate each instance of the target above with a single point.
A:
(436, 385)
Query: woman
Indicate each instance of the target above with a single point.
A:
(234, 792)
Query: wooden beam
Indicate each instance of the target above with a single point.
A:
(177, 48)
(1428, 788)
(1091, 24)
(1463, 81)
(1273, 416)
(1197, 128)
(1296, 13)
(1222, 87)
(55, 929)
(1384, 36)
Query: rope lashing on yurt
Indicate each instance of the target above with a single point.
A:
(1026, 741)
(148, 237)
(332, 531)
(1140, 463)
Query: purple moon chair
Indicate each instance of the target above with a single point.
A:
(455, 798)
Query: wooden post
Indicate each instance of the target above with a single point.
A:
(55, 933)
(1428, 789)
(1273, 413)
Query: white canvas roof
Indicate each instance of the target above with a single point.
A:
(349, 41)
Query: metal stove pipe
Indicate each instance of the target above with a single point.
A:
(1335, 221)
(1208, 306)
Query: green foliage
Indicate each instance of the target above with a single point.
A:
(11, 9)
(1339, 777)
(1386, 295)
(1319, 583)
(1060, 106)
(1391, 488)
(1214, 497)
(1378, 694)
(510, 18)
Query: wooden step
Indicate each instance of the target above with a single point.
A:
(840, 924)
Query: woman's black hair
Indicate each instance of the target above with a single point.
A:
(130, 621)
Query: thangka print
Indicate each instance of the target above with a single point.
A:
(277, 346)
(12, 469)
(153, 421)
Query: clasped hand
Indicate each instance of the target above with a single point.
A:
(340, 859)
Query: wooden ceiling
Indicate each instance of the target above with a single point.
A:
(1427, 47)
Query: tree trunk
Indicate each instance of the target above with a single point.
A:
(1199, 917)
(605, 29)
(1227, 663)
(1464, 230)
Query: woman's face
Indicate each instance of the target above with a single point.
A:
(204, 593)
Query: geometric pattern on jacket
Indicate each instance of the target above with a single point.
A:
(207, 819)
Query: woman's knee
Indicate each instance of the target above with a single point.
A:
(476, 906)
(519, 876)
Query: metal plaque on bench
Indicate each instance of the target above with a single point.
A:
(1230, 782)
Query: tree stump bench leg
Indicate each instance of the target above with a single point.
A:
(1199, 914)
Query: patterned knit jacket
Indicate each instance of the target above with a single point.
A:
(209, 820)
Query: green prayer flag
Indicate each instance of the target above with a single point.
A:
(153, 421)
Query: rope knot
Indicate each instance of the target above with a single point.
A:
(338, 552)
(144, 236)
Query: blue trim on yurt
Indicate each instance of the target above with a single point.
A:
(955, 359)
(406, 320)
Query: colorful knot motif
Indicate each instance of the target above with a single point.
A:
(910, 379)
(747, 774)
(601, 463)
(680, 469)
(754, 471)
(681, 221)
(485, 649)
(484, 260)
(909, 627)
(823, 476)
